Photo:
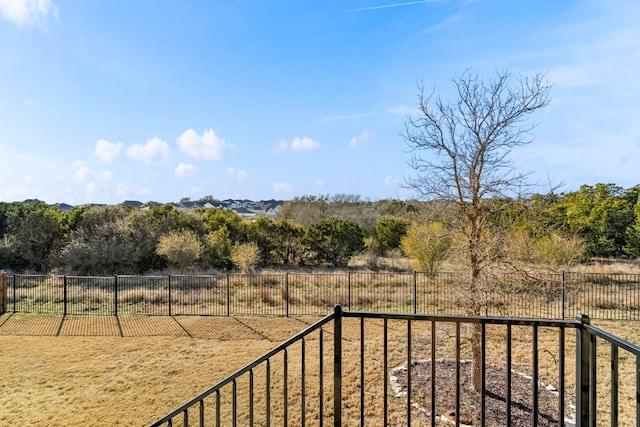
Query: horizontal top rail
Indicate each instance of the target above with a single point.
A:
(465, 319)
(620, 342)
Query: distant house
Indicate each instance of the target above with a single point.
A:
(189, 204)
(63, 207)
(131, 204)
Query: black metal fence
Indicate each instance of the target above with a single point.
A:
(362, 368)
(3, 292)
(553, 296)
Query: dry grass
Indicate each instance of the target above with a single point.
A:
(128, 371)
(82, 372)
(610, 266)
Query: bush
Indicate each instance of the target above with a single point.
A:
(427, 244)
(334, 241)
(246, 256)
(181, 248)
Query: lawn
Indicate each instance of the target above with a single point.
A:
(90, 375)
(93, 370)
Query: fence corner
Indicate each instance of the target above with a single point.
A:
(3, 292)
(583, 370)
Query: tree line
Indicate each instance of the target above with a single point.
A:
(595, 221)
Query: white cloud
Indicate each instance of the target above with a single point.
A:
(391, 182)
(155, 147)
(304, 144)
(28, 102)
(402, 110)
(604, 156)
(282, 187)
(447, 22)
(125, 190)
(238, 174)
(599, 51)
(347, 117)
(185, 170)
(281, 146)
(93, 180)
(27, 12)
(356, 141)
(208, 146)
(107, 151)
(297, 144)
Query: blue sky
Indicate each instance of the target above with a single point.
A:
(103, 101)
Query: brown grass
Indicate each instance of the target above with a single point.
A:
(82, 372)
(91, 370)
(610, 266)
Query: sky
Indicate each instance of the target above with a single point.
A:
(104, 101)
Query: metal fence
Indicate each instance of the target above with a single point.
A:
(3, 292)
(362, 368)
(553, 296)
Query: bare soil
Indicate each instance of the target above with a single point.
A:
(521, 406)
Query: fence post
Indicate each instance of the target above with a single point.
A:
(3, 292)
(349, 290)
(415, 292)
(228, 296)
(115, 294)
(337, 366)
(14, 293)
(286, 293)
(64, 295)
(169, 291)
(564, 300)
(583, 369)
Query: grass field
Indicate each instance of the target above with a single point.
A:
(84, 373)
(92, 370)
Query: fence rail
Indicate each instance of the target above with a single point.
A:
(553, 296)
(363, 368)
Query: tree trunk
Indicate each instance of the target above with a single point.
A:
(476, 303)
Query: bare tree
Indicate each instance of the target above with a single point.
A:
(461, 155)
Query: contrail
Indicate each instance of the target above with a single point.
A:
(210, 18)
(386, 6)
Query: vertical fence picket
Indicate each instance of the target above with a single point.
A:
(228, 295)
(614, 385)
(169, 293)
(287, 296)
(115, 295)
(66, 295)
(14, 293)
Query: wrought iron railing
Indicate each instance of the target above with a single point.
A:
(554, 296)
(357, 368)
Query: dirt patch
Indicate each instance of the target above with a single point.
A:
(520, 408)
